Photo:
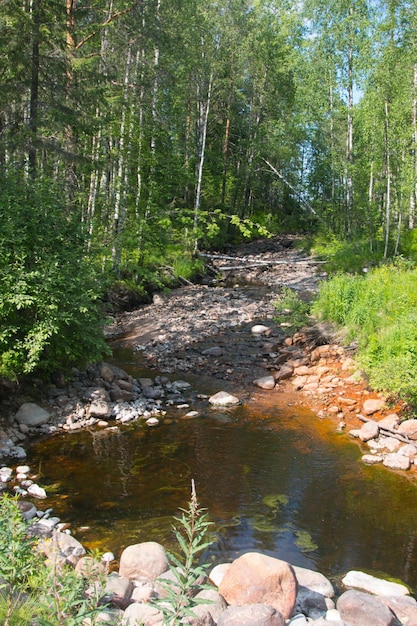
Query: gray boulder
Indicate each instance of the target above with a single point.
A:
(32, 414)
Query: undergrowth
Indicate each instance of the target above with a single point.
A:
(291, 311)
(36, 593)
(378, 312)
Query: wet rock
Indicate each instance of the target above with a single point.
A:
(37, 492)
(223, 398)
(257, 578)
(31, 414)
(357, 609)
(251, 615)
(365, 582)
(143, 561)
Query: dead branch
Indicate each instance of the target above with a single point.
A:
(384, 430)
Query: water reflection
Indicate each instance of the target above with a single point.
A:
(273, 479)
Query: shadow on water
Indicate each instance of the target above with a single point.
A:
(273, 477)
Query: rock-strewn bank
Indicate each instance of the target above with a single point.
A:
(253, 590)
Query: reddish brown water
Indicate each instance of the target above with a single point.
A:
(273, 477)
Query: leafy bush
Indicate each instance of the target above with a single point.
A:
(378, 312)
(32, 592)
(343, 255)
(50, 307)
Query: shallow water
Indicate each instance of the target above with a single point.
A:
(273, 477)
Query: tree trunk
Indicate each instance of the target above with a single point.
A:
(388, 178)
(204, 108)
(34, 89)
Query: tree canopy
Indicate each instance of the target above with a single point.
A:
(136, 132)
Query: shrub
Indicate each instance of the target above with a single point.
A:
(378, 312)
(50, 298)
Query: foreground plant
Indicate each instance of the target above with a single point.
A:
(188, 575)
(32, 593)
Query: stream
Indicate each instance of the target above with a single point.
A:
(273, 476)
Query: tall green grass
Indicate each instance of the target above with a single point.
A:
(378, 312)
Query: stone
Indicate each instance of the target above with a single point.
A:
(372, 459)
(390, 421)
(138, 613)
(266, 382)
(222, 398)
(106, 372)
(117, 590)
(378, 586)
(315, 581)
(359, 609)
(217, 573)
(143, 561)
(100, 408)
(404, 607)
(372, 405)
(31, 414)
(88, 567)
(408, 449)
(408, 428)
(251, 615)
(259, 329)
(216, 604)
(393, 460)
(256, 578)
(36, 491)
(370, 430)
(27, 509)
(284, 372)
(213, 351)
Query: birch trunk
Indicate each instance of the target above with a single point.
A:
(204, 109)
(388, 177)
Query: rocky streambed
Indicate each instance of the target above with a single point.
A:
(225, 331)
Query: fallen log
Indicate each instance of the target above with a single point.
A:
(384, 430)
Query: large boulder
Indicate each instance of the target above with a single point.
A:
(32, 414)
(251, 615)
(143, 561)
(256, 578)
(359, 609)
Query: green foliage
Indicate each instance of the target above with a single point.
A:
(50, 310)
(187, 574)
(32, 592)
(378, 312)
(290, 310)
(346, 255)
